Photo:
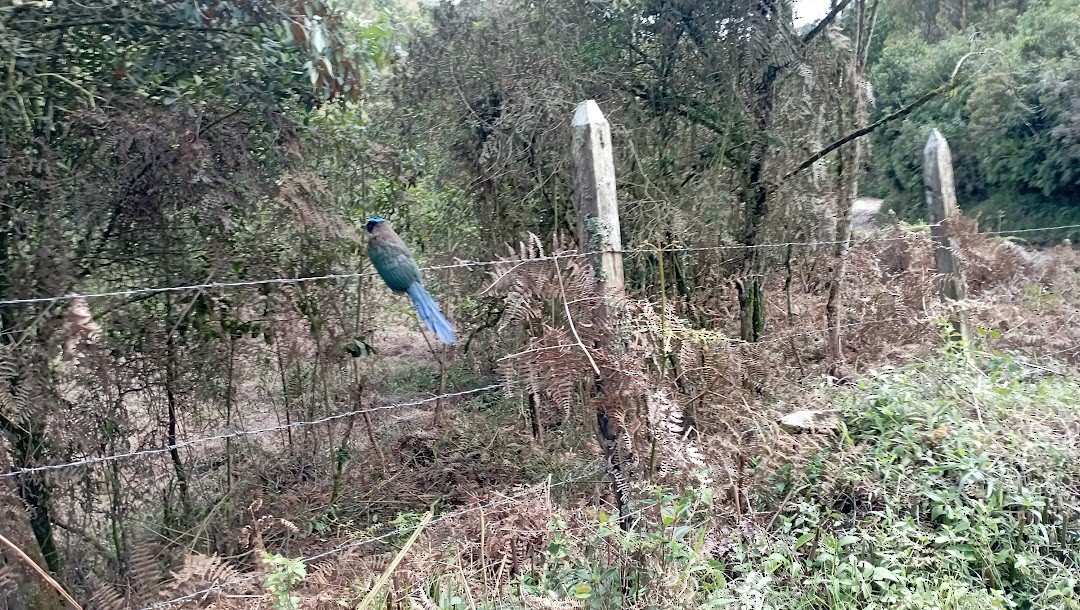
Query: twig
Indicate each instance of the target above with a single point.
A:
(43, 573)
(215, 122)
(381, 582)
(825, 21)
(149, 24)
(537, 349)
(570, 319)
(782, 505)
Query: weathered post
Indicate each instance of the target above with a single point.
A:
(594, 197)
(941, 203)
(598, 232)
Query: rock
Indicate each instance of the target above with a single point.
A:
(809, 420)
(864, 211)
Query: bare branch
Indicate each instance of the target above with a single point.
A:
(954, 82)
(44, 575)
(825, 21)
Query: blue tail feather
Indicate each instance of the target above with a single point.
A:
(430, 313)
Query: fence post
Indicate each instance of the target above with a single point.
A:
(598, 231)
(941, 203)
(594, 197)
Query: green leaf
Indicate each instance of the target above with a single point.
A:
(313, 73)
(848, 540)
(806, 537)
(582, 591)
(360, 347)
(318, 39)
(680, 532)
(667, 514)
(882, 573)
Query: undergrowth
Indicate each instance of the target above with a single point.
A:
(950, 484)
(953, 485)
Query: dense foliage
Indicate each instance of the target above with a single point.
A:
(1012, 124)
(144, 145)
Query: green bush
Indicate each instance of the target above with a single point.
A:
(1012, 124)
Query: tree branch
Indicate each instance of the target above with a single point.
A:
(216, 121)
(44, 575)
(688, 109)
(864, 54)
(953, 82)
(858, 133)
(87, 538)
(9, 426)
(825, 21)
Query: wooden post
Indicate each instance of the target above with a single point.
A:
(598, 232)
(594, 197)
(941, 203)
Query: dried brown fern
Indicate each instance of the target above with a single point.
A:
(251, 536)
(557, 357)
(298, 194)
(105, 596)
(420, 599)
(673, 451)
(201, 572)
(146, 569)
(9, 580)
(508, 539)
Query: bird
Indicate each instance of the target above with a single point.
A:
(397, 267)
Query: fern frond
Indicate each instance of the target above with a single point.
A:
(199, 572)
(105, 597)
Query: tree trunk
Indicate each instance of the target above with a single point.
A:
(848, 169)
(229, 466)
(172, 430)
(28, 445)
(25, 434)
(751, 286)
(32, 591)
(116, 522)
(836, 277)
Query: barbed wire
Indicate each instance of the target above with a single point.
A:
(471, 263)
(236, 434)
(1075, 348)
(532, 489)
(734, 344)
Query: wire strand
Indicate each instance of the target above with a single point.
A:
(734, 344)
(466, 264)
(236, 434)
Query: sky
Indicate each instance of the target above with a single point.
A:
(809, 11)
